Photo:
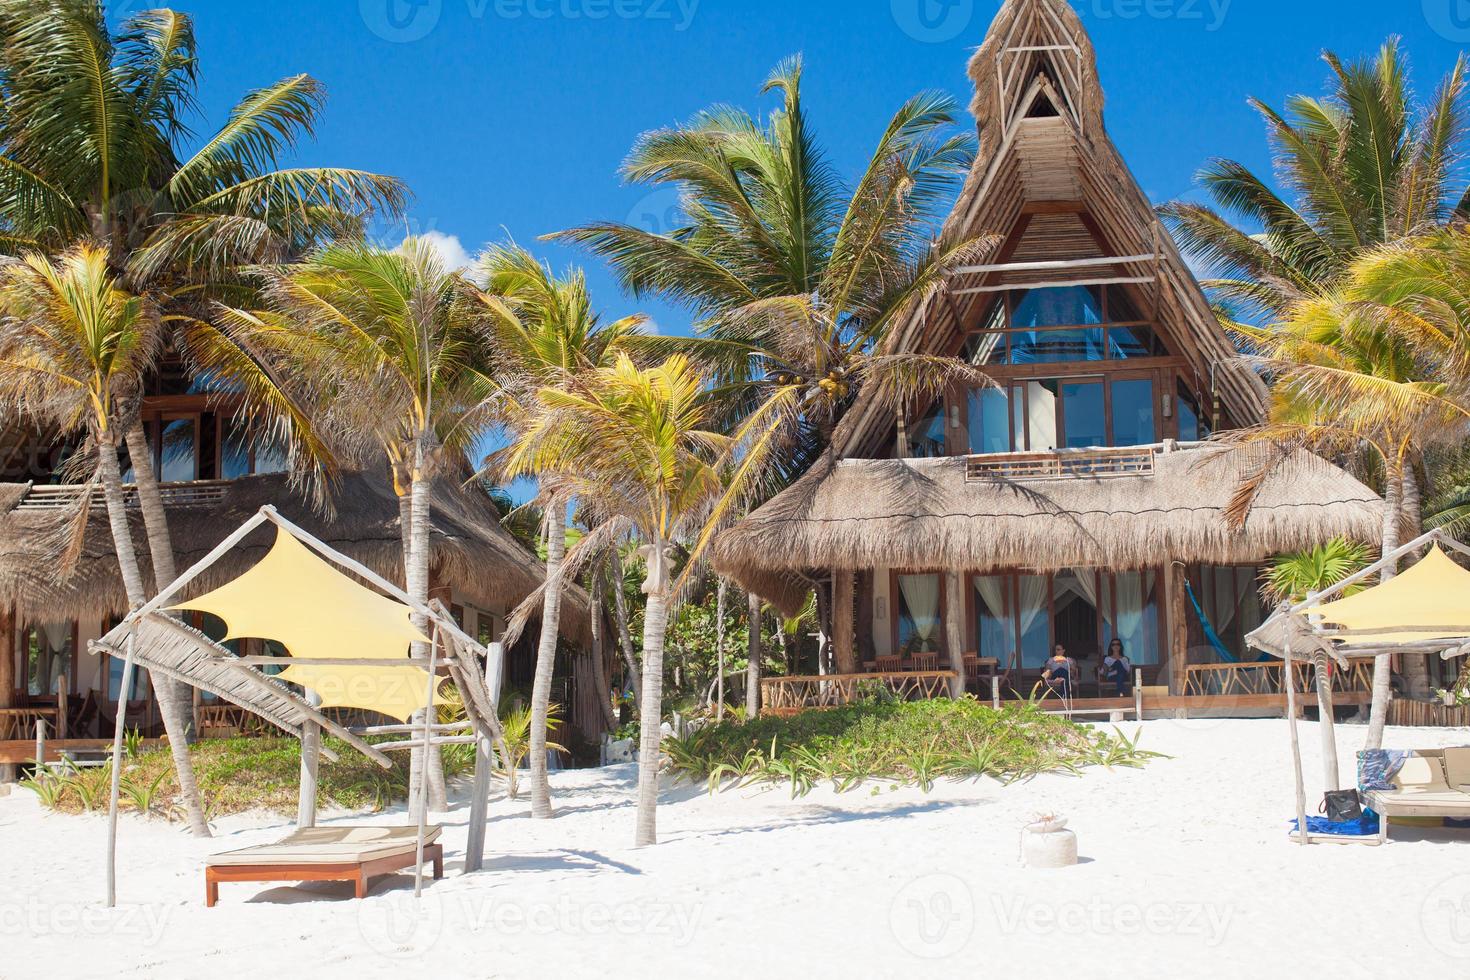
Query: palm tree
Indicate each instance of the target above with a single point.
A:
(1365, 166)
(543, 334)
(795, 279)
(1291, 578)
(394, 355)
(74, 348)
(633, 446)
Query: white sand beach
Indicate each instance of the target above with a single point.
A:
(1186, 871)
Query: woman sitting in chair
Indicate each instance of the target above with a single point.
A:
(1116, 669)
(1058, 671)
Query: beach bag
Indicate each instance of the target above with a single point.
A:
(1342, 804)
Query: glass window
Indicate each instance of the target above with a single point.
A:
(990, 423)
(1133, 412)
(180, 461)
(1086, 422)
(995, 634)
(234, 451)
(988, 344)
(139, 686)
(1130, 607)
(1066, 306)
(918, 614)
(270, 457)
(1034, 405)
(48, 650)
(1192, 425)
(926, 436)
(1126, 342)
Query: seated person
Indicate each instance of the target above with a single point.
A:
(1117, 669)
(1057, 672)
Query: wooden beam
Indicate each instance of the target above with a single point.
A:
(844, 650)
(1006, 287)
(1057, 264)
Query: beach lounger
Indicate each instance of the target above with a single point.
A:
(356, 854)
(1431, 783)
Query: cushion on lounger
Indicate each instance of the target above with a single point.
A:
(1457, 767)
(1419, 772)
(329, 845)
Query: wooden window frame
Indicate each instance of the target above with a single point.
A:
(895, 601)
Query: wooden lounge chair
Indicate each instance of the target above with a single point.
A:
(356, 854)
(1431, 783)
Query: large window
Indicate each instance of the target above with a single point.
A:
(1067, 413)
(1063, 324)
(242, 455)
(1132, 413)
(926, 438)
(919, 614)
(48, 649)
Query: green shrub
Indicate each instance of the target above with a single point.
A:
(913, 743)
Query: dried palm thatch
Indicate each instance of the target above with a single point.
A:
(858, 515)
(470, 552)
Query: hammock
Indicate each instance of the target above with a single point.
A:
(1214, 638)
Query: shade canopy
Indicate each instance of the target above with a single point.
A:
(316, 612)
(1431, 601)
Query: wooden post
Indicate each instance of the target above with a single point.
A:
(995, 692)
(1138, 694)
(844, 649)
(954, 631)
(311, 750)
(474, 849)
(40, 746)
(8, 770)
(1178, 631)
(1296, 752)
(117, 745)
(63, 685)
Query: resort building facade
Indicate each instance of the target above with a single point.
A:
(214, 475)
(1074, 500)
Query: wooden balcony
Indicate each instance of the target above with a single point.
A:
(195, 493)
(1227, 680)
(791, 695)
(1061, 465)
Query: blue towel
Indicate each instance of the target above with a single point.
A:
(1364, 826)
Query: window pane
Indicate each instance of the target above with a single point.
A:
(235, 452)
(270, 458)
(48, 651)
(1192, 426)
(918, 614)
(139, 687)
(1133, 412)
(1083, 408)
(1125, 342)
(926, 436)
(990, 425)
(179, 463)
(1034, 404)
(995, 632)
(1066, 306)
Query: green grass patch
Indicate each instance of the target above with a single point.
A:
(909, 743)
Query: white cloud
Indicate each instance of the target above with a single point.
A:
(451, 251)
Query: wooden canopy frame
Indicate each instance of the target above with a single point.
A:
(1291, 619)
(203, 663)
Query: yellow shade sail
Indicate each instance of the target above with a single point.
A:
(316, 612)
(1433, 593)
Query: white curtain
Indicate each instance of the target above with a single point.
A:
(921, 597)
(996, 638)
(1030, 603)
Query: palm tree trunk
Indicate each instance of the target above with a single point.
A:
(1416, 665)
(720, 651)
(625, 637)
(753, 671)
(599, 664)
(556, 546)
(655, 623)
(1327, 724)
(175, 699)
(1383, 664)
(416, 582)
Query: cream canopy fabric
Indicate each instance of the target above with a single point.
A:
(1433, 593)
(299, 600)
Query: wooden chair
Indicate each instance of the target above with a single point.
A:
(355, 854)
(979, 671)
(888, 663)
(925, 661)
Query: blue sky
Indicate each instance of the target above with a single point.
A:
(510, 117)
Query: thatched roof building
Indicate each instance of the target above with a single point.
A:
(947, 513)
(471, 553)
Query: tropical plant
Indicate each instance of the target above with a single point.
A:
(73, 348)
(385, 345)
(517, 723)
(633, 448)
(543, 334)
(1293, 577)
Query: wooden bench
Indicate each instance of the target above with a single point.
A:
(355, 854)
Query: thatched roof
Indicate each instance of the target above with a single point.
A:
(1032, 175)
(970, 514)
(471, 552)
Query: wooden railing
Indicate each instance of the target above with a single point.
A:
(195, 493)
(789, 694)
(1061, 464)
(1212, 680)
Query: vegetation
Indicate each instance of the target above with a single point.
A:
(1291, 578)
(912, 743)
